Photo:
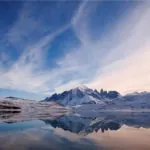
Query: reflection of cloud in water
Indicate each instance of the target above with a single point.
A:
(45, 138)
(79, 133)
(39, 139)
(126, 138)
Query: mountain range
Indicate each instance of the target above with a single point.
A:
(82, 95)
(84, 98)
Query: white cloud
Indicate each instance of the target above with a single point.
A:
(118, 61)
(116, 64)
(126, 75)
(27, 74)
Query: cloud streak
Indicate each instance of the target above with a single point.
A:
(117, 60)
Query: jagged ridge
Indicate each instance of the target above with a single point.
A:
(82, 95)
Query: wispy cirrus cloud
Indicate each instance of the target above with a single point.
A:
(113, 62)
(27, 72)
(116, 59)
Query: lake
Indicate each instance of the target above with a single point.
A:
(100, 131)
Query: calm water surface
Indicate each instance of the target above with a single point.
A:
(121, 131)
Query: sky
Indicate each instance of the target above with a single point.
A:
(52, 46)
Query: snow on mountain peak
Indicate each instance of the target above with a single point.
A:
(76, 96)
(82, 95)
(82, 87)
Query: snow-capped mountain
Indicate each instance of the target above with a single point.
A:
(134, 100)
(101, 100)
(81, 95)
(130, 102)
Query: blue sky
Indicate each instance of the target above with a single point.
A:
(52, 46)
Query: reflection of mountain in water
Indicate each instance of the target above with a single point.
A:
(8, 114)
(111, 121)
(83, 125)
